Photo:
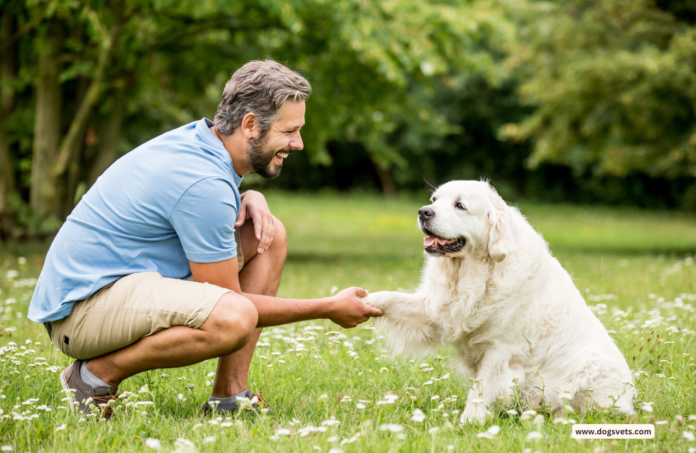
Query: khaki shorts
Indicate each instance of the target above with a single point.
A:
(133, 307)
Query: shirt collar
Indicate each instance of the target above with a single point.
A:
(203, 128)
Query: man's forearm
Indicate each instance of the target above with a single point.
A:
(274, 311)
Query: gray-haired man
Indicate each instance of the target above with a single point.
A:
(115, 292)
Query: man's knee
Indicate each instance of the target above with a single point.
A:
(232, 322)
(280, 238)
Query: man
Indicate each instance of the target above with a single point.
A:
(115, 292)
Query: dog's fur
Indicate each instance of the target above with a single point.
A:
(508, 308)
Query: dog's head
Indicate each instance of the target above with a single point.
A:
(465, 217)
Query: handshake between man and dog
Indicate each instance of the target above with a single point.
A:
(492, 290)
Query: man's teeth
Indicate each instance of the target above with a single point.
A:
(282, 155)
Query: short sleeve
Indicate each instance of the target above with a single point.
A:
(203, 218)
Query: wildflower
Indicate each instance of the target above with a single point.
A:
(493, 430)
(350, 440)
(153, 443)
(209, 439)
(647, 407)
(331, 422)
(539, 420)
(323, 397)
(418, 416)
(433, 430)
(197, 425)
(346, 399)
(6, 448)
(533, 436)
(512, 412)
(307, 430)
(182, 445)
(661, 422)
(526, 415)
(61, 427)
(283, 432)
(181, 398)
(427, 383)
(394, 428)
(688, 435)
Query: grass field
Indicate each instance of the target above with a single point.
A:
(635, 268)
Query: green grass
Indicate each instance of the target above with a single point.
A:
(636, 263)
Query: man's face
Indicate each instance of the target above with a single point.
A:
(266, 155)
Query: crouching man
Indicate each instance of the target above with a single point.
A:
(158, 266)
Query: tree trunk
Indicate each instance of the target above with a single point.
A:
(43, 197)
(385, 180)
(108, 141)
(9, 71)
(72, 140)
(74, 172)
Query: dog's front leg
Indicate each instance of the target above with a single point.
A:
(406, 324)
(494, 379)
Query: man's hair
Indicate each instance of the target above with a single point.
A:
(260, 87)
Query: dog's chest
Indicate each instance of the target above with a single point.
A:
(463, 300)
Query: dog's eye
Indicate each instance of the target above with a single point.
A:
(459, 205)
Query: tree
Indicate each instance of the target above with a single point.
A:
(612, 84)
(99, 76)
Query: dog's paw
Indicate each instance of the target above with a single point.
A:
(380, 300)
(474, 412)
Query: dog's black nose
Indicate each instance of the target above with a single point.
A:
(426, 213)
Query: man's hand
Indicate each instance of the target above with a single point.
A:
(348, 310)
(254, 207)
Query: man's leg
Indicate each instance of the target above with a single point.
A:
(260, 275)
(228, 328)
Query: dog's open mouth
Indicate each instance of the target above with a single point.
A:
(441, 246)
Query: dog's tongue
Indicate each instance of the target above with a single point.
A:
(430, 241)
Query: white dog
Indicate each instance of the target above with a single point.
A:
(492, 290)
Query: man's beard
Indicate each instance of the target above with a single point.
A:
(260, 160)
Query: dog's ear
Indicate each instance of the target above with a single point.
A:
(500, 240)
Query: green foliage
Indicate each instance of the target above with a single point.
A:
(612, 83)
(516, 91)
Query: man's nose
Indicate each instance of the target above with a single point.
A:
(426, 213)
(296, 141)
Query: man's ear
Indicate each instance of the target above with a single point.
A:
(500, 240)
(249, 122)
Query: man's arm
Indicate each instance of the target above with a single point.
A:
(255, 207)
(345, 308)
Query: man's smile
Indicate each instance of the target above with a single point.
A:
(281, 155)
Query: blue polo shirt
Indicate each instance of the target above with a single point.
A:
(171, 200)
